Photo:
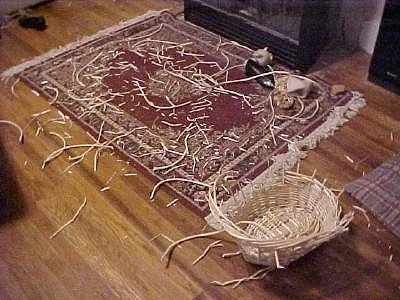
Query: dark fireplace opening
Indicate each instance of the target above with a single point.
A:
(294, 31)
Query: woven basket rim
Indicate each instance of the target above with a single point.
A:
(235, 231)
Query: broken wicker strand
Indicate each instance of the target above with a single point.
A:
(21, 133)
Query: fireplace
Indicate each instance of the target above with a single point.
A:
(295, 31)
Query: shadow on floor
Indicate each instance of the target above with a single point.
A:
(331, 54)
(11, 206)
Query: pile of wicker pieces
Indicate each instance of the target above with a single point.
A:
(276, 223)
(279, 223)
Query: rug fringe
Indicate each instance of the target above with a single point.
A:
(7, 74)
(284, 161)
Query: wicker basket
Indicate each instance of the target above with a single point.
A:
(283, 221)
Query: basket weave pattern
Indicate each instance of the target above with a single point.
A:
(279, 223)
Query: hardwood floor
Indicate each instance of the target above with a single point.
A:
(108, 252)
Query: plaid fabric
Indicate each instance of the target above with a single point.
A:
(379, 192)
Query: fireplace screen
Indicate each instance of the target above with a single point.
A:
(282, 17)
(293, 30)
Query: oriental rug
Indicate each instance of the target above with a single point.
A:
(379, 192)
(173, 99)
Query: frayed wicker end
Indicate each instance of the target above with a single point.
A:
(283, 221)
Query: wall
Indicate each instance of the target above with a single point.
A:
(359, 22)
(370, 27)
